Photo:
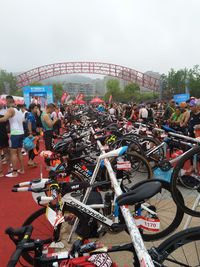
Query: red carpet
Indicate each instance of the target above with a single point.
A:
(15, 207)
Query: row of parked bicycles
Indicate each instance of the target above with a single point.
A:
(108, 177)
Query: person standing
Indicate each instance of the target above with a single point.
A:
(134, 115)
(57, 115)
(32, 132)
(112, 110)
(143, 113)
(194, 116)
(38, 119)
(169, 110)
(185, 118)
(15, 118)
(48, 124)
(3, 140)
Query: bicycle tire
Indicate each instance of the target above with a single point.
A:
(169, 249)
(44, 222)
(39, 216)
(124, 141)
(27, 256)
(188, 195)
(166, 211)
(135, 174)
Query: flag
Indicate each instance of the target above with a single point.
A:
(80, 97)
(63, 97)
(110, 99)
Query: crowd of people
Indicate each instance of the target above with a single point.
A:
(18, 122)
(183, 117)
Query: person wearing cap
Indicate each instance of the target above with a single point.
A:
(185, 117)
(194, 116)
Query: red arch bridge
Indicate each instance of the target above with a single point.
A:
(106, 69)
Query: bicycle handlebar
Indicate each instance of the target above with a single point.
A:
(29, 189)
(44, 199)
(35, 181)
(194, 140)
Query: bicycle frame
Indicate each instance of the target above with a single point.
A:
(141, 251)
(164, 145)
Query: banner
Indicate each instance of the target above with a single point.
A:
(63, 97)
(181, 98)
(80, 97)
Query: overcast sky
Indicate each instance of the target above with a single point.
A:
(140, 34)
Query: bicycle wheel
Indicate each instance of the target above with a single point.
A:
(139, 170)
(186, 179)
(123, 141)
(181, 249)
(43, 230)
(167, 213)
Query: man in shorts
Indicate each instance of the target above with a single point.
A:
(3, 140)
(15, 118)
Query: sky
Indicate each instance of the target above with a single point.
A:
(146, 35)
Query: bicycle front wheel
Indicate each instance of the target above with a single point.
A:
(43, 230)
(181, 249)
(168, 213)
(186, 179)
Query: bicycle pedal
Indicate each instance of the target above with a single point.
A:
(57, 245)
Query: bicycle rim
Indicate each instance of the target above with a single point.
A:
(189, 184)
(182, 249)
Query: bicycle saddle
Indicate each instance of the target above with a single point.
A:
(140, 193)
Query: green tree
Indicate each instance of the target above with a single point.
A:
(7, 83)
(175, 82)
(58, 91)
(130, 91)
(36, 84)
(113, 89)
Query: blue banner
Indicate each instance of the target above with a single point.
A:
(42, 95)
(181, 98)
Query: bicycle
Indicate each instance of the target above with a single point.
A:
(168, 227)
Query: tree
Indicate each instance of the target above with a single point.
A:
(175, 82)
(7, 83)
(58, 91)
(113, 89)
(130, 91)
(36, 84)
